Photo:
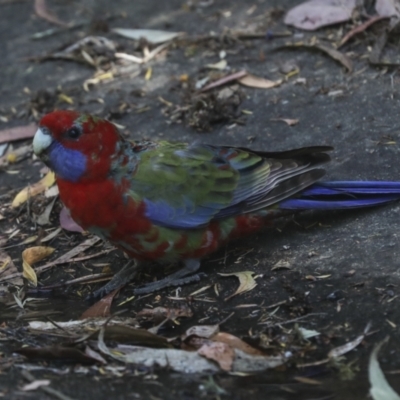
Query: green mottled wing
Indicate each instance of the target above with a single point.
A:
(187, 186)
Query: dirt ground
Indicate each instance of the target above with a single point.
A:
(333, 273)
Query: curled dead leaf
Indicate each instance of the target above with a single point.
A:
(258, 82)
(34, 189)
(220, 352)
(380, 388)
(17, 133)
(315, 14)
(236, 343)
(287, 121)
(31, 256)
(42, 11)
(151, 35)
(246, 282)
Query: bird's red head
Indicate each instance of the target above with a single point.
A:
(78, 147)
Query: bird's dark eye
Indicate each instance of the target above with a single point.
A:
(74, 132)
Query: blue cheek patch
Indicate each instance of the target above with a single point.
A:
(68, 164)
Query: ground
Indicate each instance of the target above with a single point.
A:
(333, 273)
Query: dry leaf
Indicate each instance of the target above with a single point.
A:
(58, 353)
(29, 240)
(203, 331)
(42, 12)
(148, 74)
(51, 192)
(34, 190)
(307, 381)
(387, 8)
(222, 353)
(314, 14)
(31, 256)
(70, 254)
(340, 350)
(7, 268)
(191, 361)
(44, 217)
(307, 333)
(360, 28)
(51, 235)
(380, 388)
(226, 79)
(29, 273)
(220, 65)
(35, 385)
(327, 49)
(258, 82)
(281, 264)
(288, 121)
(102, 308)
(13, 156)
(17, 133)
(235, 343)
(151, 35)
(246, 281)
(160, 313)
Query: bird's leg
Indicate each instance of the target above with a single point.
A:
(121, 278)
(179, 277)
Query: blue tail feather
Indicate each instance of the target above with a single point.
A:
(344, 194)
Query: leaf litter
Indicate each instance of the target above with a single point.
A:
(31, 256)
(246, 282)
(380, 388)
(223, 350)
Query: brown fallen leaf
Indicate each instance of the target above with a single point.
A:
(31, 256)
(17, 133)
(288, 121)
(380, 388)
(160, 313)
(191, 361)
(226, 79)
(340, 350)
(222, 353)
(35, 385)
(203, 331)
(44, 217)
(7, 268)
(70, 254)
(246, 282)
(14, 156)
(361, 28)
(327, 49)
(150, 35)
(236, 343)
(220, 65)
(126, 334)
(307, 381)
(34, 190)
(315, 14)
(56, 352)
(42, 12)
(258, 82)
(102, 308)
(387, 8)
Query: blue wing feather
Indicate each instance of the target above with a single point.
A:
(344, 194)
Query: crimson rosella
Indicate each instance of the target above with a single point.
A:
(170, 202)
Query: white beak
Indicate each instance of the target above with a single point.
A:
(41, 141)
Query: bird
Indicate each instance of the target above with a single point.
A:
(173, 202)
